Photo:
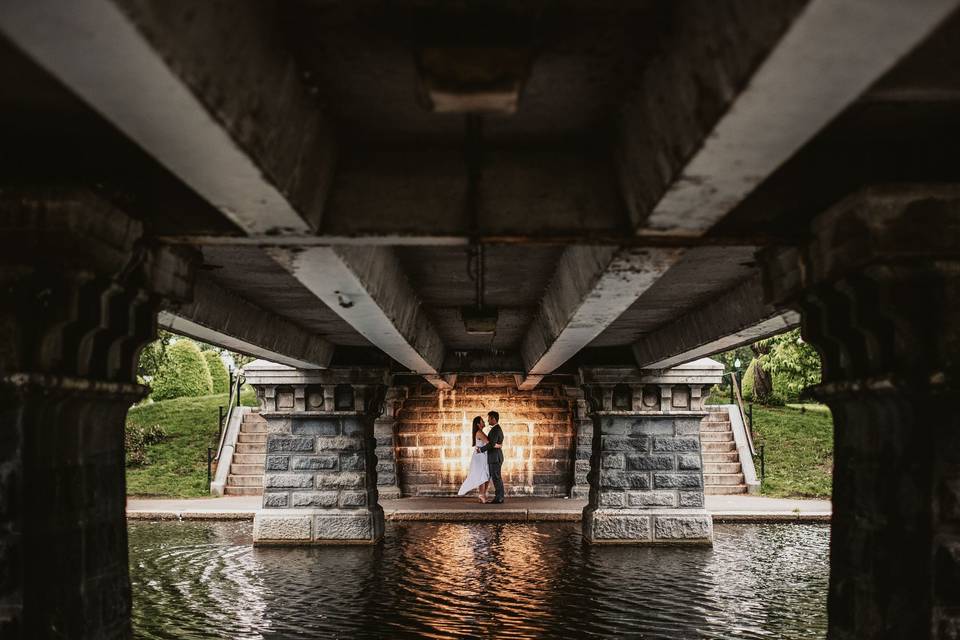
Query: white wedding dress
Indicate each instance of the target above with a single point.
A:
(479, 471)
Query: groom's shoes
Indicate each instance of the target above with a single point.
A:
(500, 501)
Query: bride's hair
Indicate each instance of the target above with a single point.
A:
(477, 425)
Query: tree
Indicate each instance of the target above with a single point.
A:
(184, 372)
(154, 354)
(218, 372)
(762, 382)
(793, 363)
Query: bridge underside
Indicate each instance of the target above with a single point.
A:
(433, 191)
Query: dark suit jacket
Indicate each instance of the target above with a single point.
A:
(494, 455)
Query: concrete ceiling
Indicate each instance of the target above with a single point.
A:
(655, 147)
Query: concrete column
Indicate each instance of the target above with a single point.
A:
(320, 480)
(79, 300)
(384, 430)
(878, 287)
(646, 471)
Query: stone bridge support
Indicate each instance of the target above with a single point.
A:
(646, 470)
(879, 290)
(384, 430)
(80, 298)
(320, 480)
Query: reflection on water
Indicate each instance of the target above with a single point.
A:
(451, 580)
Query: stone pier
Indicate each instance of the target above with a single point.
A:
(320, 481)
(646, 470)
(879, 288)
(80, 294)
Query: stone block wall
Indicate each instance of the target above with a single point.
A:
(316, 462)
(320, 472)
(433, 436)
(646, 470)
(583, 447)
(384, 430)
(649, 461)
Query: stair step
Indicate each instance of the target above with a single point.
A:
(725, 489)
(253, 427)
(708, 467)
(253, 417)
(252, 447)
(718, 447)
(248, 469)
(720, 416)
(731, 456)
(710, 479)
(256, 458)
(244, 481)
(713, 436)
(714, 426)
(242, 491)
(252, 437)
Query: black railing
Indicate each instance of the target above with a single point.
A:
(233, 400)
(209, 465)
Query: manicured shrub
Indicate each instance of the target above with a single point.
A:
(218, 372)
(136, 438)
(746, 385)
(184, 373)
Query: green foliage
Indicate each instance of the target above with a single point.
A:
(746, 385)
(218, 371)
(136, 438)
(184, 372)
(798, 443)
(178, 464)
(154, 354)
(793, 364)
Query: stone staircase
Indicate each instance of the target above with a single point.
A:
(246, 471)
(722, 473)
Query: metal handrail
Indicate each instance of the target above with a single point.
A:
(233, 401)
(743, 416)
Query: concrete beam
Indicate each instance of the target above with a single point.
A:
(591, 288)
(738, 317)
(830, 55)
(221, 318)
(367, 288)
(209, 93)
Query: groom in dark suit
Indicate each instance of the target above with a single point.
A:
(494, 452)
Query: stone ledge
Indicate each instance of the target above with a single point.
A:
(317, 526)
(648, 526)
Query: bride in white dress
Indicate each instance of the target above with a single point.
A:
(479, 475)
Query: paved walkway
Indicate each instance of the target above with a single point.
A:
(723, 508)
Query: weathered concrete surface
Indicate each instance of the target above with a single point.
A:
(671, 110)
(740, 316)
(219, 317)
(591, 287)
(831, 53)
(186, 82)
(366, 287)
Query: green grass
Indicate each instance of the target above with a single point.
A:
(798, 443)
(177, 467)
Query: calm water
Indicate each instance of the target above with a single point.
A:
(445, 580)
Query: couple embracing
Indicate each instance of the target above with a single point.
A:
(487, 459)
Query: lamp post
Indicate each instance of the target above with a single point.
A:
(735, 379)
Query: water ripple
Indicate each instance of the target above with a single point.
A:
(478, 580)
